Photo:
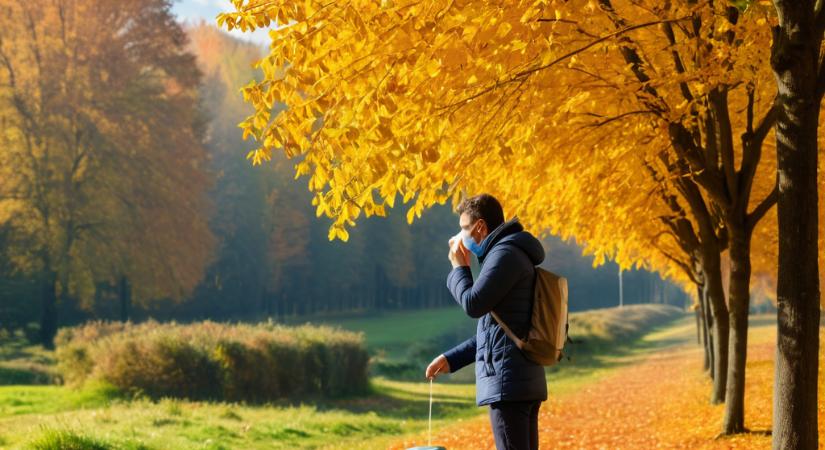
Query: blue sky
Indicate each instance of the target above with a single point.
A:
(196, 10)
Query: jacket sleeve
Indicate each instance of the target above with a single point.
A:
(500, 272)
(462, 354)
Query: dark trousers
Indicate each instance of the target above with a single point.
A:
(515, 424)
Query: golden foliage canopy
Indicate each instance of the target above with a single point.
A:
(567, 111)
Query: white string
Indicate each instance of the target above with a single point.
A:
(430, 415)
(430, 418)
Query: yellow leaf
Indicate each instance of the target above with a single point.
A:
(503, 30)
(433, 67)
(342, 234)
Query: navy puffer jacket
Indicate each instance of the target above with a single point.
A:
(505, 284)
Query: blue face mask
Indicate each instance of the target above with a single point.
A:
(470, 243)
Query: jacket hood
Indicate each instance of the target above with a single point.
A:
(512, 231)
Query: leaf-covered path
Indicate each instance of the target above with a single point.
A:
(661, 401)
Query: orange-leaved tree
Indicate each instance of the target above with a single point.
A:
(102, 172)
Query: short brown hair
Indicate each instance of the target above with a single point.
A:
(482, 206)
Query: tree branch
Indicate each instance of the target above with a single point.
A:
(682, 139)
(711, 144)
(526, 73)
(766, 124)
(707, 176)
(677, 61)
(542, 19)
(703, 216)
(620, 116)
(752, 141)
(721, 116)
(685, 268)
(681, 227)
(759, 212)
(571, 22)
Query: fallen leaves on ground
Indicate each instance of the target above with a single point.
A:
(662, 402)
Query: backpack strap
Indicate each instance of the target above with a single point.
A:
(507, 330)
(519, 342)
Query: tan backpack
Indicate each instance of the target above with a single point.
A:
(548, 322)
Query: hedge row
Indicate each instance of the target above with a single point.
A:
(209, 360)
(620, 324)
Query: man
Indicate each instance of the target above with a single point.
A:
(506, 380)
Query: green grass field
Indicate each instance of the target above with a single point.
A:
(51, 416)
(393, 331)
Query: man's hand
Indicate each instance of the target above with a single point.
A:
(439, 365)
(458, 254)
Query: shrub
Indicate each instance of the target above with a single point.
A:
(210, 360)
(620, 324)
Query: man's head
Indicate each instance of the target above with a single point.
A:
(480, 215)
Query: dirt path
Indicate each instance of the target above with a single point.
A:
(658, 402)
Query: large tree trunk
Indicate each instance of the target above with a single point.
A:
(721, 323)
(739, 304)
(48, 312)
(794, 59)
(703, 326)
(709, 332)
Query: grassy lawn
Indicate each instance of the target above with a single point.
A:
(393, 331)
(51, 416)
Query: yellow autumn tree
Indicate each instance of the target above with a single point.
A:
(641, 128)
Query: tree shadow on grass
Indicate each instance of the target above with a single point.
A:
(24, 363)
(405, 401)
